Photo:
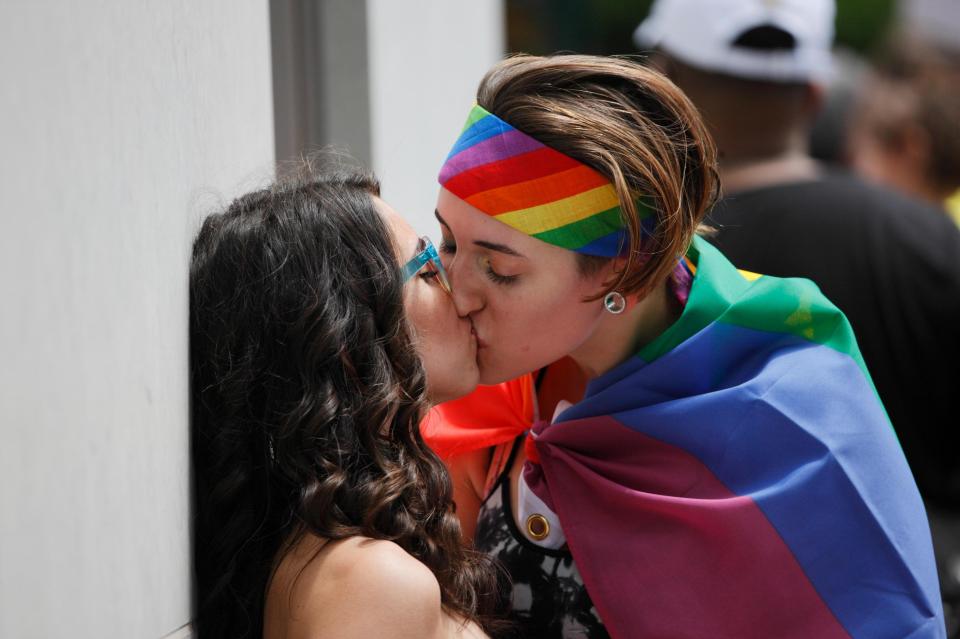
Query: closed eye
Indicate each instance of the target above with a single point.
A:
(500, 279)
(495, 277)
(430, 275)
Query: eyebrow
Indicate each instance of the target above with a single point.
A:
(500, 248)
(493, 246)
(417, 249)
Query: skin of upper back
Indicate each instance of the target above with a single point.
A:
(356, 588)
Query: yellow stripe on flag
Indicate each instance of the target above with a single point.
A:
(547, 217)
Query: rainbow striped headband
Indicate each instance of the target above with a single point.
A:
(537, 190)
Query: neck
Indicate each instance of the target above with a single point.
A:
(761, 147)
(618, 337)
(751, 173)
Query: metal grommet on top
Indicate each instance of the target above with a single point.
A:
(538, 528)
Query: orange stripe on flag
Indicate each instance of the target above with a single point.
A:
(553, 215)
(538, 191)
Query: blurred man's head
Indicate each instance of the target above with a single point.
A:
(755, 68)
(904, 129)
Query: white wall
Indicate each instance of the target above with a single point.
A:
(426, 58)
(117, 118)
(114, 115)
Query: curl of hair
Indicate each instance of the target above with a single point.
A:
(307, 397)
(631, 124)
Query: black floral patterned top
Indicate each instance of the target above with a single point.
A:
(547, 598)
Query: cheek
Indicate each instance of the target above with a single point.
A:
(444, 342)
(530, 332)
(430, 324)
(561, 324)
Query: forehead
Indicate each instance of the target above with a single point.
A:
(470, 224)
(461, 216)
(404, 237)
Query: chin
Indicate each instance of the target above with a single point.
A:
(511, 366)
(493, 376)
(466, 380)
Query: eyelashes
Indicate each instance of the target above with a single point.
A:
(430, 275)
(495, 277)
(447, 248)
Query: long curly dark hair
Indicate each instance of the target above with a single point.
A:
(307, 394)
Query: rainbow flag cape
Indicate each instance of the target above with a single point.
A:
(737, 478)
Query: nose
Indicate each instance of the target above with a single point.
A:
(466, 296)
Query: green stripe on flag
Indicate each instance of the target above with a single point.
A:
(791, 306)
(477, 113)
(580, 233)
(780, 305)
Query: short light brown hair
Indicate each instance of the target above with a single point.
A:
(634, 126)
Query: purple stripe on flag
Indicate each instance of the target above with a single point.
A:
(499, 147)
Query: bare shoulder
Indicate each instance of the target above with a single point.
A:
(361, 587)
(382, 569)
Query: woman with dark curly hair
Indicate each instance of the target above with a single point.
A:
(321, 328)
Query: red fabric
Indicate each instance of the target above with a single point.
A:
(665, 549)
(513, 170)
(488, 416)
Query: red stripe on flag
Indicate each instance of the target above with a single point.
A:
(519, 168)
(665, 548)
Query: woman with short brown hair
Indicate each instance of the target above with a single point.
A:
(669, 447)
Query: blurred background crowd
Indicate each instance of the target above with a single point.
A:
(892, 99)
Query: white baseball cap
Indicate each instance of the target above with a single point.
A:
(714, 35)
